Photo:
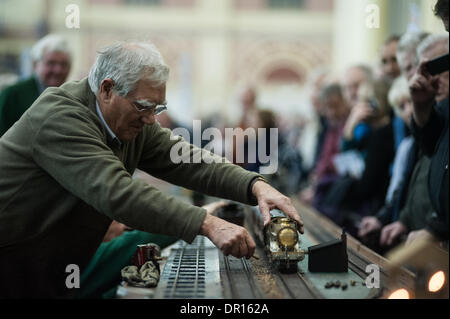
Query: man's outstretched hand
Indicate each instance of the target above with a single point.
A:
(269, 198)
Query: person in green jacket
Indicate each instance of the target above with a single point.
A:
(102, 275)
(51, 58)
(67, 168)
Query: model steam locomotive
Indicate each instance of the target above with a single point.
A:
(282, 242)
(280, 237)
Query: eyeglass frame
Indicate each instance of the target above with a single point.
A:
(156, 108)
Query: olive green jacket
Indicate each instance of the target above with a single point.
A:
(62, 181)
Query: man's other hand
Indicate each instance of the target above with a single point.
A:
(231, 239)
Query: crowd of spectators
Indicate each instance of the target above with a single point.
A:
(370, 174)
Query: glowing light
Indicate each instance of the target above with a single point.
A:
(399, 294)
(436, 282)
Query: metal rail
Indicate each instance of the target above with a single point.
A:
(251, 279)
(188, 275)
(240, 279)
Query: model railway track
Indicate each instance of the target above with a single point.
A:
(240, 280)
(200, 270)
(297, 286)
(191, 271)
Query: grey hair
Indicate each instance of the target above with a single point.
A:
(408, 44)
(126, 64)
(431, 41)
(399, 90)
(50, 43)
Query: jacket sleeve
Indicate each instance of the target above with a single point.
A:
(172, 159)
(71, 150)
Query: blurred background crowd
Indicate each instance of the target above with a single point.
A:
(330, 75)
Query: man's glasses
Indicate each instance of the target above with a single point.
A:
(145, 106)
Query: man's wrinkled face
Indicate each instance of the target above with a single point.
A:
(120, 112)
(53, 68)
(389, 65)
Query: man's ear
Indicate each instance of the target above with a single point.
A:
(106, 89)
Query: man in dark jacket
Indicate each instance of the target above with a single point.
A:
(430, 126)
(51, 59)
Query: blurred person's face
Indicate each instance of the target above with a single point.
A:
(53, 69)
(120, 112)
(335, 108)
(353, 79)
(389, 65)
(408, 65)
(430, 54)
(405, 109)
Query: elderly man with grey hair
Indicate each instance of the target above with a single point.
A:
(432, 47)
(406, 52)
(51, 58)
(67, 168)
